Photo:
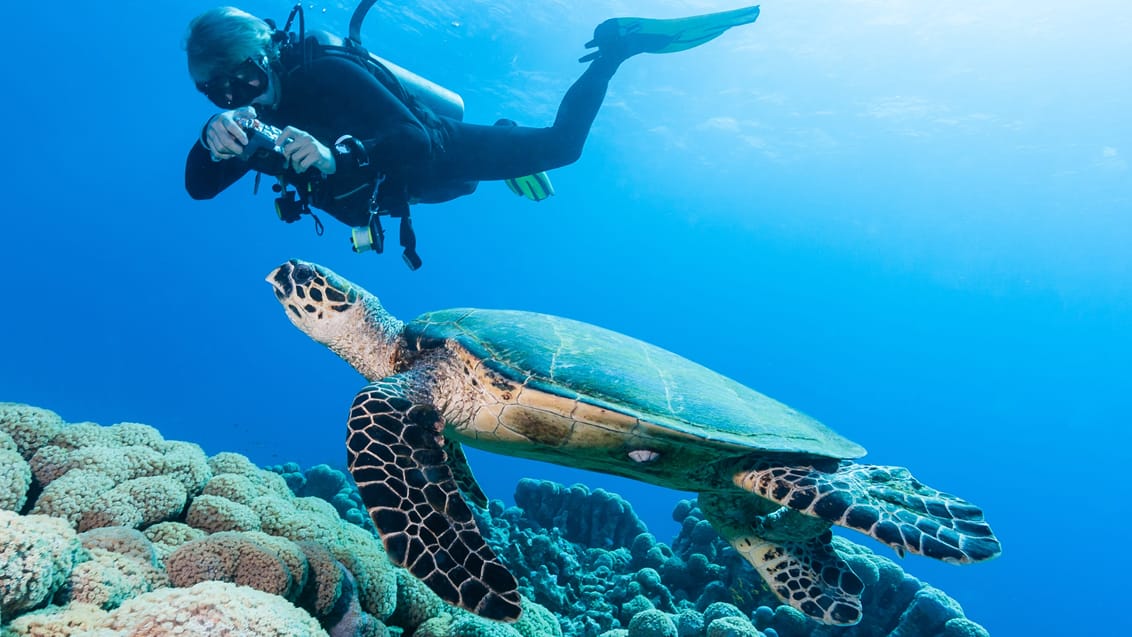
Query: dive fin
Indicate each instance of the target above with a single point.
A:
(535, 187)
(625, 37)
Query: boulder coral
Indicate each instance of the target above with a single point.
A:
(72, 495)
(107, 579)
(136, 503)
(207, 608)
(167, 536)
(29, 427)
(37, 554)
(15, 475)
(122, 475)
(652, 623)
(230, 556)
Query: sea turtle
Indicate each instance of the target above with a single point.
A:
(770, 479)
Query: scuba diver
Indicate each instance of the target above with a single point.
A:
(347, 132)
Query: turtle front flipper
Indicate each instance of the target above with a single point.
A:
(887, 503)
(807, 574)
(396, 456)
(458, 463)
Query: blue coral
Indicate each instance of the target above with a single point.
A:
(327, 483)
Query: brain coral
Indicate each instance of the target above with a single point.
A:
(123, 564)
(186, 463)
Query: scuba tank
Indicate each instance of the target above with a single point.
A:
(441, 100)
(437, 98)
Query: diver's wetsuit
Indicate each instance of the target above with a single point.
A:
(331, 97)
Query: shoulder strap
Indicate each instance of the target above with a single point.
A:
(295, 54)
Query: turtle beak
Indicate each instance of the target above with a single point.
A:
(280, 280)
(293, 273)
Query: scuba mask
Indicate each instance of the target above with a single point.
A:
(239, 86)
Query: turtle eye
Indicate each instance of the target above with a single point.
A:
(302, 274)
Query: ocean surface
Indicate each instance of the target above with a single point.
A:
(912, 221)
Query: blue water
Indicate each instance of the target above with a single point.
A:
(909, 220)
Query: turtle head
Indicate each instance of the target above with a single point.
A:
(338, 314)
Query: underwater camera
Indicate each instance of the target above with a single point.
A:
(263, 156)
(261, 152)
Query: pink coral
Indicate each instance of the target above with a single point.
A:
(213, 608)
(233, 557)
(208, 608)
(327, 577)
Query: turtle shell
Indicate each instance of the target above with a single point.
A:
(614, 371)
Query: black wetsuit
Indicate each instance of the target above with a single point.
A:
(434, 160)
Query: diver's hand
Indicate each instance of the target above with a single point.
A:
(223, 137)
(303, 151)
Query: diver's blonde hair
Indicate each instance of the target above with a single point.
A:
(220, 39)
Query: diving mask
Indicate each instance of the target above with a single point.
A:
(239, 86)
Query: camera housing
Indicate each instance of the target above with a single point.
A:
(260, 151)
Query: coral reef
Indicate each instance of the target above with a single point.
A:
(116, 531)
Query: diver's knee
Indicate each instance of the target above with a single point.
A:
(569, 153)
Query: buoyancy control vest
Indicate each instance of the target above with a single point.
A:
(361, 205)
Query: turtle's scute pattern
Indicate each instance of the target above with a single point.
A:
(395, 455)
(887, 503)
(610, 370)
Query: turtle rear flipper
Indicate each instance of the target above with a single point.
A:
(887, 503)
(807, 574)
(396, 457)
